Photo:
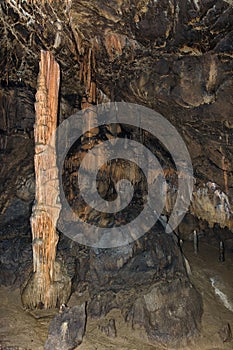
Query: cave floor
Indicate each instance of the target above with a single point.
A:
(21, 330)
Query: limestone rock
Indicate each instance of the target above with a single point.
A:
(170, 312)
(225, 333)
(67, 329)
(109, 328)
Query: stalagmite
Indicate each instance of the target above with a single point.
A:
(195, 242)
(48, 286)
(221, 251)
(225, 176)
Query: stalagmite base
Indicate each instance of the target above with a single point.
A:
(49, 285)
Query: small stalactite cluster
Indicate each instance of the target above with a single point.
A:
(114, 44)
(110, 172)
(42, 290)
(208, 203)
(88, 100)
(86, 71)
(211, 204)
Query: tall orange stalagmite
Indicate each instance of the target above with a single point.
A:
(49, 286)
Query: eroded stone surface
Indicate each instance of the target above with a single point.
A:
(67, 329)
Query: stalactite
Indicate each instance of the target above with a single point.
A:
(224, 168)
(86, 77)
(225, 176)
(114, 43)
(211, 204)
(42, 288)
(89, 101)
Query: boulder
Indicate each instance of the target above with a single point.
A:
(67, 329)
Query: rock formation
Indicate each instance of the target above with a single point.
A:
(67, 329)
(172, 56)
(47, 286)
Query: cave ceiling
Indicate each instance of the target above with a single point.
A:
(174, 56)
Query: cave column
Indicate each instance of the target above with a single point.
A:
(46, 207)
